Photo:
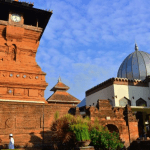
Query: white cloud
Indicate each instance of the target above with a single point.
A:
(86, 41)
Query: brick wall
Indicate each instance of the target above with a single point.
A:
(121, 119)
(25, 122)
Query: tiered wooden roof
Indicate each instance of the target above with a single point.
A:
(61, 95)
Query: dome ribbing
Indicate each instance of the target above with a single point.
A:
(135, 66)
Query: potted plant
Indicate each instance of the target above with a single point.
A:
(81, 133)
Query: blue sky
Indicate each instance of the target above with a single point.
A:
(86, 41)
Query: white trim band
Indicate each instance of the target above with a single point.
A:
(4, 100)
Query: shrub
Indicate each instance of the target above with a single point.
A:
(105, 140)
(69, 129)
(81, 131)
(62, 137)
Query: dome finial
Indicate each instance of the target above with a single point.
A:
(136, 47)
(59, 79)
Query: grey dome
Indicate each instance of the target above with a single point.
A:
(135, 66)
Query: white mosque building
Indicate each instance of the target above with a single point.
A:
(131, 86)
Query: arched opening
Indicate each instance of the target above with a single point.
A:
(112, 128)
(71, 111)
(141, 102)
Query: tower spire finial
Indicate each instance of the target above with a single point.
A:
(136, 47)
(59, 79)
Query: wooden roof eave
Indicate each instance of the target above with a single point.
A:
(59, 88)
(57, 101)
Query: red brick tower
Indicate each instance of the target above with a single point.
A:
(21, 27)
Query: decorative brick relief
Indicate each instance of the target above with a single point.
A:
(33, 92)
(10, 122)
(18, 92)
(26, 122)
(19, 69)
(24, 76)
(3, 90)
(36, 77)
(17, 75)
(30, 76)
(4, 74)
(10, 91)
(41, 93)
(3, 53)
(3, 48)
(26, 92)
(13, 52)
(11, 75)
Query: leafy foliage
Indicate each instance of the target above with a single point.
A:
(69, 129)
(63, 139)
(105, 140)
(81, 131)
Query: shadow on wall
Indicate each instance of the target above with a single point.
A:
(47, 142)
(140, 145)
(37, 143)
(40, 141)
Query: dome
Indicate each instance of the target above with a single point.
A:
(135, 66)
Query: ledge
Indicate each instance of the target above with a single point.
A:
(22, 25)
(4, 100)
(62, 101)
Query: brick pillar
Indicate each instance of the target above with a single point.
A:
(132, 124)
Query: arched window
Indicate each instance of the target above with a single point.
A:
(124, 101)
(141, 102)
